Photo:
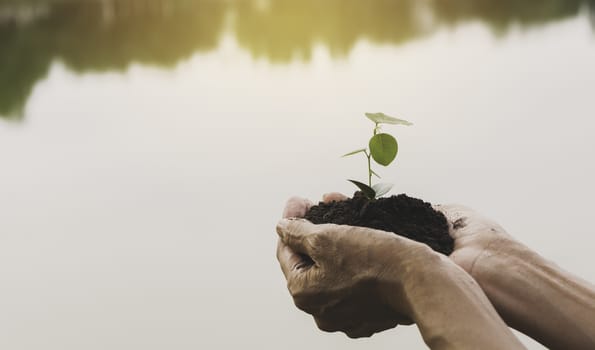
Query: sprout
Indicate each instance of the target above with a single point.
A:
(383, 148)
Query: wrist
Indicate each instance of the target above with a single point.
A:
(411, 275)
(443, 300)
(536, 297)
(499, 258)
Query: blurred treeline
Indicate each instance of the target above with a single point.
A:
(99, 35)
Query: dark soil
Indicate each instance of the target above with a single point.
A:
(403, 215)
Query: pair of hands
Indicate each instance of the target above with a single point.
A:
(358, 280)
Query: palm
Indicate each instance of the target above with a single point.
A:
(471, 232)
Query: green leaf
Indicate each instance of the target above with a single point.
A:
(383, 148)
(367, 190)
(381, 118)
(381, 189)
(355, 152)
(374, 173)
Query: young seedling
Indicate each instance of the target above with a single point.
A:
(383, 148)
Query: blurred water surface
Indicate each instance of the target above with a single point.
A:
(147, 147)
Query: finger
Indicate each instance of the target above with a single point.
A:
(456, 216)
(331, 325)
(454, 212)
(291, 261)
(296, 207)
(464, 221)
(362, 331)
(366, 330)
(295, 232)
(334, 197)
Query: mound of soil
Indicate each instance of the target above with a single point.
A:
(403, 215)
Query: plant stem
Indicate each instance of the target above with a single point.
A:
(368, 155)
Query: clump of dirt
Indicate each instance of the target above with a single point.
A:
(403, 215)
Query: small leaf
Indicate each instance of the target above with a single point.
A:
(381, 189)
(355, 152)
(367, 190)
(383, 148)
(381, 118)
(374, 173)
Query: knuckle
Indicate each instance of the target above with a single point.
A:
(313, 241)
(362, 332)
(317, 243)
(351, 334)
(305, 303)
(300, 303)
(326, 326)
(295, 288)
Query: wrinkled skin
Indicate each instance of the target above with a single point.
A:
(473, 235)
(342, 274)
(356, 306)
(346, 289)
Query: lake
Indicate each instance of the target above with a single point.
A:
(148, 147)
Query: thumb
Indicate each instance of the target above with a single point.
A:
(295, 234)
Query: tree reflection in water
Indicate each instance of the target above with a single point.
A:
(109, 35)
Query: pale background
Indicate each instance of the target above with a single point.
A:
(138, 205)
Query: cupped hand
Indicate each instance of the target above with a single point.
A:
(349, 278)
(474, 235)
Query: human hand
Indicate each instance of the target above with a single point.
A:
(349, 278)
(474, 236)
(532, 294)
(361, 281)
